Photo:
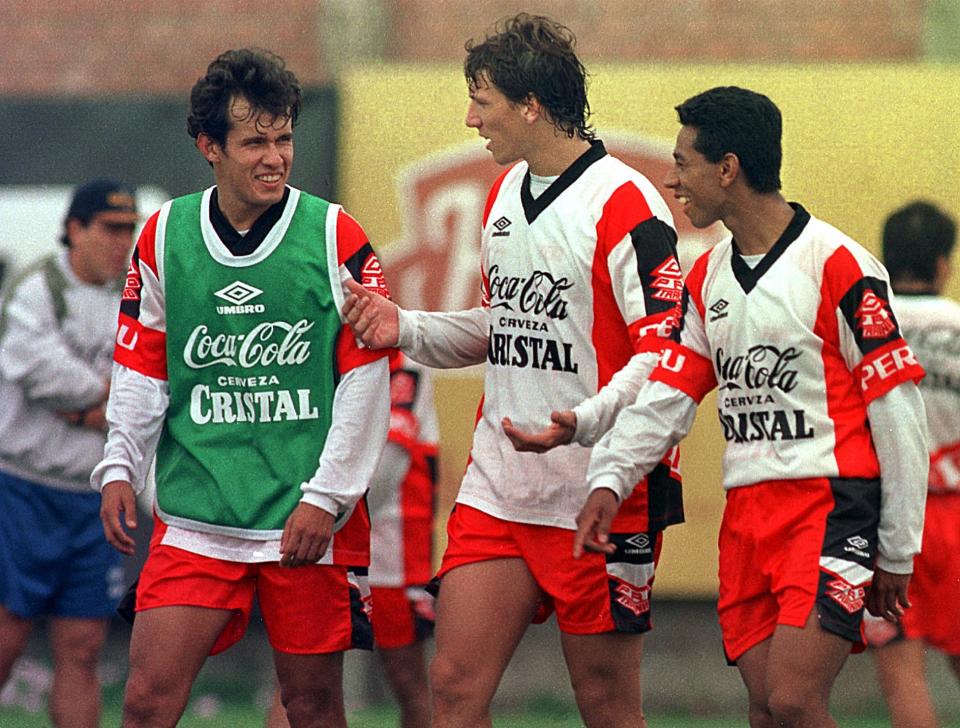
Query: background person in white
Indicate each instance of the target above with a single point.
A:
(56, 340)
(918, 242)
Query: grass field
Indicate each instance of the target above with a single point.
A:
(248, 717)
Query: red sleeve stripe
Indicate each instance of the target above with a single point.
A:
(651, 332)
(626, 208)
(885, 368)
(492, 195)
(147, 244)
(695, 280)
(350, 356)
(350, 237)
(684, 369)
(141, 349)
(853, 446)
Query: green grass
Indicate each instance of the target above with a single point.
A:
(246, 716)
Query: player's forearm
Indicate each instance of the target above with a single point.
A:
(135, 413)
(898, 427)
(358, 432)
(447, 340)
(596, 415)
(642, 435)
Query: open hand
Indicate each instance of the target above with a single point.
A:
(560, 431)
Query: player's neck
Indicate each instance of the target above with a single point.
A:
(758, 223)
(554, 154)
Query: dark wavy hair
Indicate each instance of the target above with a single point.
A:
(913, 238)
(742, 122)
(533, 55)
(259, 76)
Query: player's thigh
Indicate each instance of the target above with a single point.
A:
(77, 642)
(309, 676)
(752, 666)
(805, 661)
(607, 663)
(483, 610)
(901, 666)
(168, 645)
(14, 633)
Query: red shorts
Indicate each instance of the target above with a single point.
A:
(400, 616)
(935, 584)
(788, 545)
(309, 609)
(590, 595)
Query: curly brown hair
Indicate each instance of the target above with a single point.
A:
(257, 75)
(532, 55)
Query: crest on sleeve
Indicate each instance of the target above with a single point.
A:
(131, 288)
(668, 280)
(873, 316)
(371, 276)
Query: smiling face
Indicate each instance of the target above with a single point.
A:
(253, 164)
(498, 120)
(695, 181)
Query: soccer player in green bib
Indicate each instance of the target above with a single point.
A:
(233, 367)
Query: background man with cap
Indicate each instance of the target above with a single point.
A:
(57, 326)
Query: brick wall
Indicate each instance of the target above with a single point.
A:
(84, 47)
(81, 47)
(679, 30)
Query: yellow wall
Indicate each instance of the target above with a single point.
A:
(858, 141)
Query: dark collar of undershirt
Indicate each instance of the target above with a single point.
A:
(748, 277)
(532, 206)
(236, 243)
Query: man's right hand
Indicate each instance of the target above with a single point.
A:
(560, 431)
(374, 319)
(116, 498)
(594, 522)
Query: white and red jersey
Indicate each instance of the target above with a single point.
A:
(575, 282)
(798, 347)
(931, 325)
(403, 490)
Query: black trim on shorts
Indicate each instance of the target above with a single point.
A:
(632, 548)
(852, 535)
(361, 631)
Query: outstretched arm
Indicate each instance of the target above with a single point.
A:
(374, 318)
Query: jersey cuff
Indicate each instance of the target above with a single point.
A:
(321, 501)
(895, 566)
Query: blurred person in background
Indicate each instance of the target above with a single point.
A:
(402, 504)
(57, 330)
(579, 271)
(234, 367)
(918, 241)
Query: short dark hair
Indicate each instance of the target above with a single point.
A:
(729, 119)
(533, 55)
(914, 237)
(259, 76)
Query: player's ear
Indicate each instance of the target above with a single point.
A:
(209, 147)
(729, 169)
(531, 109)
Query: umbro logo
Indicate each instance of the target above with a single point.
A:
(640, 543)
(239, 294)
(501, 226)
(858, 542)
(857, 545)
(719, 310)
